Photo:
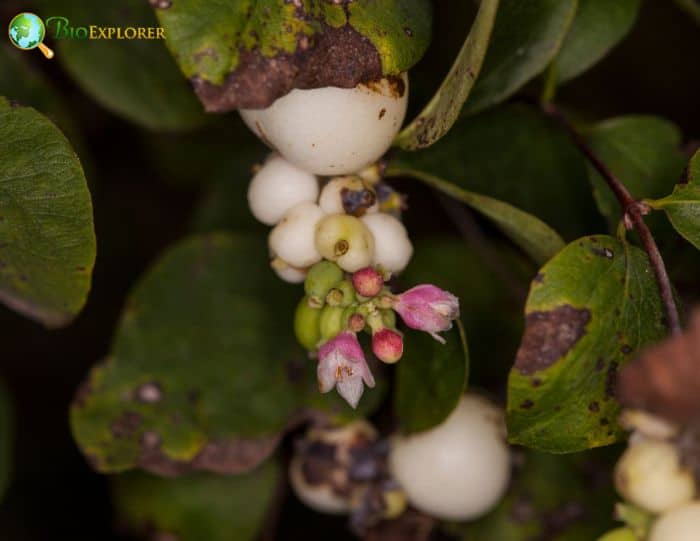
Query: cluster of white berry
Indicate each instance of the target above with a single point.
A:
(651, 475)
(342, 222)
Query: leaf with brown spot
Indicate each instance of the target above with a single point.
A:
(598, 301)
(198, 377)
(245, 54)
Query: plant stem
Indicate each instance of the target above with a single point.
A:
(633, 215)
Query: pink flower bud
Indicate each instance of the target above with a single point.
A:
(368, 282)
(342, 365)
(387, 345)
(428, 308)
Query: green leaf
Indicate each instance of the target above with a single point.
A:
(48, 241)
(204, 372)
(199, 363)
(551, 497)
(137, 78)
(683, 206)
(598, 26)
(199, 506)
(430, 379)
(535, 237)
(525, 39)
(6, 440)
(443, 109)
(642, 151)
(244, 54)
(590, 310)
(517, 155)
(683, 210)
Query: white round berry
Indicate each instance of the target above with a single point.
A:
(287, 272)
(460, 469)
(392, 247)
(354, 191)
(277, 187)
(292, 239)
(345, 240)
(679, 524)
(650, 475)
(319, 470)
(333, 131)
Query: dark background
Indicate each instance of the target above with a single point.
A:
(139, 211)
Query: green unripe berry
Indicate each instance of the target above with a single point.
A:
(389, 318)
(343, 294)
(306, 324)
(620, 534)
(322, 277)
(331, 321)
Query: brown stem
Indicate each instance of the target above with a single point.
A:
(633, 214)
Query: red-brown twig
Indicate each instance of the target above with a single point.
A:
(633, 215)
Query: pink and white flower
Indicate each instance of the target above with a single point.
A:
(342, 365)
(387, 345)
(427, 308)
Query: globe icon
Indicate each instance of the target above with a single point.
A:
(27, 31)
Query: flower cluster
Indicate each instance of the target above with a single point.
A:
(337, 307)
(344, 242)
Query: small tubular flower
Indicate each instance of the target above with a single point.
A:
(427, 308)
(342, 365)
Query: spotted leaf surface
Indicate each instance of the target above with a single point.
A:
(590, 309)
(246, 53)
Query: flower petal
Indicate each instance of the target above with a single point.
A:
(351, 389)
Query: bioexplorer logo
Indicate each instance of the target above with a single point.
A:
(27, 31)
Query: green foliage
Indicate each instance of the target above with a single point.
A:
(642, 151)
(46, 224)
(552, 497)
(526, 37)
(199, 506)
(514, 154)
(137, 79)
(430, 379)
(6, 440)
(204, 360)
(683, 206)
(620, 534)
(442, 111)
(590, 309)
(535, 237)
(598, 26)
(208, 38)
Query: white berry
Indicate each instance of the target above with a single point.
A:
(292, 239)
(357, 193)
(392, 247)
(460, 469)
(288, 273)
(318, 472)
(333, 131)
(650, 475)
(277, 187)
(680, 524)
(345, 240)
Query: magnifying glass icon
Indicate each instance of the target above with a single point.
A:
(27, 31)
